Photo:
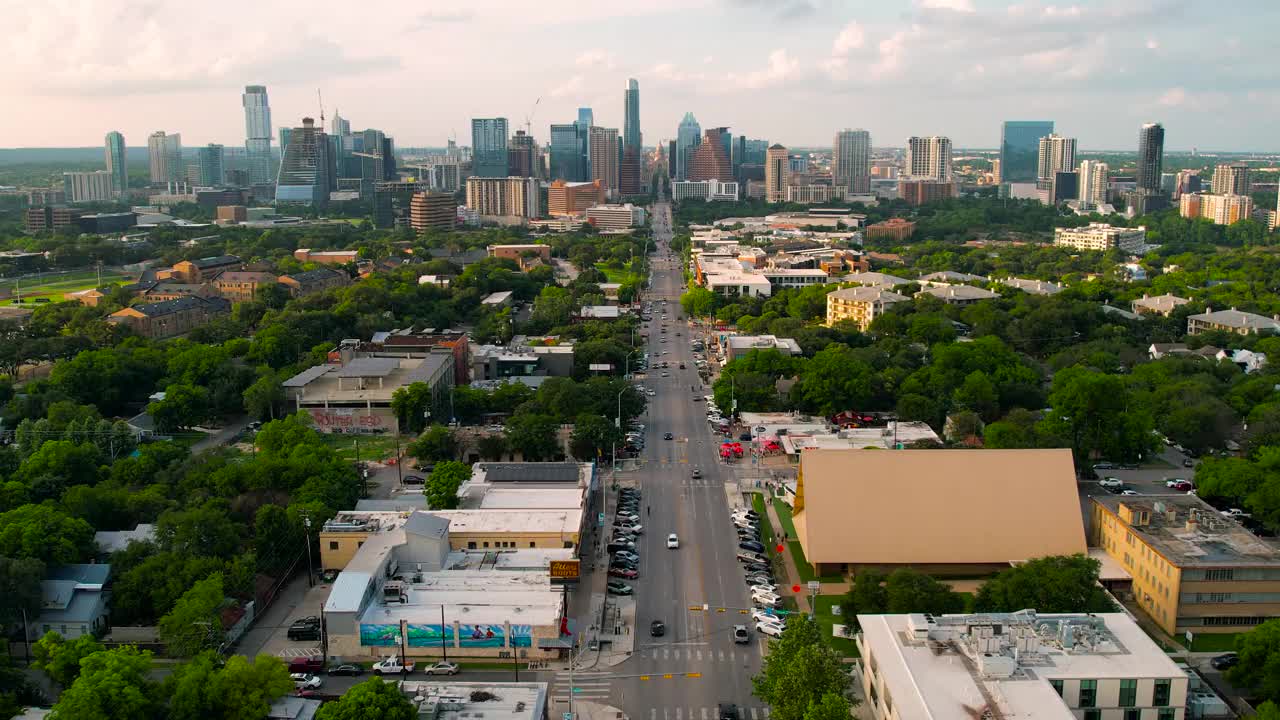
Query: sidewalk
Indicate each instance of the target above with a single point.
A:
(788, 563)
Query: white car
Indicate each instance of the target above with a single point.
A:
(673, 542)
(764, 597)
(769, 629)
(651, 393)
(631, 529)
(765, 587)
(1130, 492)
(303, 681)
(765, 616)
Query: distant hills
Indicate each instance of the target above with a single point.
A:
(18, 156)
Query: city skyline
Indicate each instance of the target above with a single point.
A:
(831, 58)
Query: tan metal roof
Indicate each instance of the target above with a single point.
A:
(930, 507)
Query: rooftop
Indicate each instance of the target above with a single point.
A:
(371, 379)
(1034, 287)
(763, 342)
(112, 540)
(867, 294)
(1238, 319)
(1189, 532)
(951, 276)
(497, 298)
(1160, 303)
(959, 292)
(874, 279)
(454, 700)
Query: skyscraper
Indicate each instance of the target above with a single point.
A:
(307, 168)
(1231, 179)
(1150, 157)
(929, 157)
(116, 163)
(165, 155)
(1056, 154)
(339, 125)
(777, 173)
(631, 137)
(851, 160)
(1019, 145)
(211, 165)
(586, 117)
(257, 133)
(489, 147)
(688, 136)
(566, 153)
(1093, 182)
(521, 155)
(709, 160)
(604, 157)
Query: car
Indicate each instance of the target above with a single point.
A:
(765, 595)
(758, 578)
(624, 517)
(765, 615)
(657, 628)
(673, 542)
(309, 664)
(1103, 466)
(1223, 662)
(613, 587)
(1183, 486)
(746, 525)
(303, 632)
(629, 529)
(345, 669)
(751, 545)
(682, 366)
(697, 474)
(624, 573)
(614, 547)
(769, 629)
(740, 635)
(1188, 462)
(443, 667)
(306, 681)
(1111, 483)
(627, 555)
(751, 559)
(756, 567)
(747, 513)
(668, 436)
(748, 533)
(727, 711)
(1236, 513)
(651, 393)
(767, 587)
(624, 565)
(414, 480)
(1127, 491)
(1171, 481)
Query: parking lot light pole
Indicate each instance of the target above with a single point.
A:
(306, 521)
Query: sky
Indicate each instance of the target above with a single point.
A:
(790, 71)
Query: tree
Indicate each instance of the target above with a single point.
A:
(593, 436)
(535, 436)
(373, 698)
(74, 463)
(836, 380)
(113, 685)
(1095, 412)
(60, 659)
(437, 443)
(867, 596)
(19, 588)
(1259, 668)
(1053, 584)
(42, 532)
(194, 623)
(908, 591)
(183, 407)
(978, 393)
(699, 302)
(205, 529)
(493, 447)
(443, 483)
(800, 671)
(246, 688)
(264, 399)
(831, 706)
(190, 687)
(274, 534)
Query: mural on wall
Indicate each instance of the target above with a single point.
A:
(481, 636)
(419, 635)
(469, 636)
(521, 636)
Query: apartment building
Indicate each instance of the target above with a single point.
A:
(1158, 304)
(1101, 237)
(893, 229)
(573, 198)
(777, 174)
(921, 192)
(1219, 209)
(929, 157)
(959, 294)
(509, 197)
(1193, 569)
(432, 211)
(862, 305)
(1232, 321)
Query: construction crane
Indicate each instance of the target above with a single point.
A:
(321, 101)
(528, 118)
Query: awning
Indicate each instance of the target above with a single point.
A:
(564, 642)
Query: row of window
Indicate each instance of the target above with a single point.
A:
(1226, 597)
(1161, 692)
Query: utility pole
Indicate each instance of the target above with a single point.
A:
(306, 521)
(444, 648)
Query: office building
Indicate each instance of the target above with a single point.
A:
(339, 125)
(1016, 665)
(489, 141)
(813, 194)
(1231, 179)
(925, 190)
(1101, 237)
(522, 155)
(860, 305)
(777, 174)
(569, 153)
(82, 187)
(165, 155)
(1220, 209)
(616, 217)
(631, 172)
(1093, 183)
(512, 197)
(1150, 157)
(307, 168)
(50, 217)
(117, 164)
(705, 190)
(897, 229)
(851, 161)
(710, 160)
(354, 394)
(211, 161)
(631, 136)
(1064, 186)
(257, 133)
(604, 157)
(1019, 149)
(688, 137)
(565, 199)
(929, 157)
(1193, 569)
(850, 507)
(432, 211)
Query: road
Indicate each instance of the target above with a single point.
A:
(704, 569)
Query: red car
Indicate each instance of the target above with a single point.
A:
(623, 573)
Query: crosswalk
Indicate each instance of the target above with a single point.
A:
(705, 713)
(591, 685)
(696, 654)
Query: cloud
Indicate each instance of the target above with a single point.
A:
(442, 16)
(1173, 97)
(963, 6)
(786, 9)
(671, 74)
(782, 67)
(596, 59)
(572, 86)
(850, 38)
(1152, 44)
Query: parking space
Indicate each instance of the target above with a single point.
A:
(1151, 478)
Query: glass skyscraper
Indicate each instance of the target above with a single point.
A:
(116, 163)
(1020, 149)
(566, 153)
(631, 119)
(688, 136)
(306, 169)
(211, 165)
(257, 133)
(1150, 156)
(489, 147)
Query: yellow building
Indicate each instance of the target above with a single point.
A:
(1193, 569)
(860, 304)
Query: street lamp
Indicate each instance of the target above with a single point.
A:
(306, 521)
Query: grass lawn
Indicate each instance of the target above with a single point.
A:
(797, 552)
(826, 618)
(784, 515)
(55, 286)
(617, 276)
(372, 447)
(1213, 642)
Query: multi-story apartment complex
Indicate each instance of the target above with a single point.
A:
(1056, 154)
(1231, 179)
(489, 147)
(82, 187)
(929, 157)
(117, 164)
(777, 174)
(1019, 145)
(573, 198)
(1232, 321)
(707, 190)
(862, 305)
(1093, 182)
(604, 157)
(1150, 156)
(1193, 569)
(1101, 237)
(710, 160)
(1023, 664)
(1220, 209)
(922, 191)
(504, 197)
(851, 160)
(165, 155)
(257, 133)
(432, 211)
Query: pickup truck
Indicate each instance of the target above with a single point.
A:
(391, 665)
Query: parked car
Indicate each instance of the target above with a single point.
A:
(740, 635)
(306, 665)
(765, 615)
(306, 681)
(392, 665)
(1226, 661)
(345, 669)
(414, 480)
(668, 436)
(752, 546)
(697, 473)
(441, 668)
(769, 629)
(624, 573)
(1127, 491)
(746, 557)
(756, 567)
(1111, 483)
(615, 547)
(301, 630)
(618, 588)
(1188, 462)
(630, 529)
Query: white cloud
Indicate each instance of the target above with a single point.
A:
(964, 6)
(850, 38)
(1173, 98)
(572, 86)
(1152, 44)
(781, 68)
(596, 59)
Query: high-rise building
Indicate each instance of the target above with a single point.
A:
(376, 160)
(1220, 209)
(709, 160)
(82, 187)
(307, 168)
(211, 165)
(285, 133)
(777, 174)
(1093, 183)
(116, 163)
(1019, 144)
(1150, 156)
(586, 116)
(604, 157)
(504, 197)
(1057, 155)
(432, 211)
(568, 154)
(489, 147)
(339, 125)
(1231, 179)
(688, 136)
(257, 132)
(630, 171)
(165, 155)
(631, 137)
(929, 157)
(566, 198)
(851, 160)
(1188, 181)
(522, 155)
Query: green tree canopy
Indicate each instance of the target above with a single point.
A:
(113, 685)
(194, 623)
(373, 698)
(800, 672)
(45, 533)
(436, 444)
(1054, 584)
(443, 483)
(1259, 668)
(60, 659)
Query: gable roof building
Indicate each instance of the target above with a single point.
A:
(73, 600)
(1158, 304)
(1233, 321)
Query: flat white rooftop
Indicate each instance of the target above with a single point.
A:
(533, 498)
(489, 597)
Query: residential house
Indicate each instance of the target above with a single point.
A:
(1158, 304)
(1232, 321)
(73, 601)
(959, 294)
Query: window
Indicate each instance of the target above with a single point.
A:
(1088, 693)
(333, 544)
(486, 543)
(1092, 715)
(1167, 714)
(1219, 574)
(1132, 715)
(359, 543)
(1128, 693)
(471, 545)
(1161, 695)
(1057, 686)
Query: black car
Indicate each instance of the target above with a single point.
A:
(304, 631)
(414, 480)
(657, 628)
(756, 567)
(352, 670)
(667, 436)
(752, 546)
(1224, 662)
(623, 564)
